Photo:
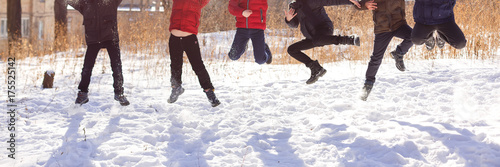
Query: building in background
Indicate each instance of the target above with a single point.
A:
(37, 22)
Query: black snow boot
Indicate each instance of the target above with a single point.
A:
(122, 99)
(399, 60)
(430, 43)
(440, 42)
(316, 71)
(82, 98)
(366, 91)
(349, 40)
(176, 92)
(211, 97)
(270, 56)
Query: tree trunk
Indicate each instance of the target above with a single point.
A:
(131, 5)
(14, 26)
(61, 28)
(141, 5)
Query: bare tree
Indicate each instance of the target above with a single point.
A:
(61, 28)
(14, 25)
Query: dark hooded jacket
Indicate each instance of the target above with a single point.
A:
(312, 17)
(99, 19)
(432, 12)
(389, 15)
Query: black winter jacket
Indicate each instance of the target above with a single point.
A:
(99, 19)
(431, 12)
(312, 17)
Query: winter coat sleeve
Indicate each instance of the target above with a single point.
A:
(319, 3)
(117, 2)
(234, 9)
(294, 23)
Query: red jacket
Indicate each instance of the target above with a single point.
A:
(257, 19)
(186, 15)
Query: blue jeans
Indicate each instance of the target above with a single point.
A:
(261, 51)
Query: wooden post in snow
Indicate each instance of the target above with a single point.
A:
(48, 79)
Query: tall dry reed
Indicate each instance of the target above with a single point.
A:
(146, 33)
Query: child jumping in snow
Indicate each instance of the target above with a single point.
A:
(317, 27)
(250, 23)
(390, 22)
(436, 16)
(99, 19)
(184, 23)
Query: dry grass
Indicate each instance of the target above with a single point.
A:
(146, 33)
(482, 32)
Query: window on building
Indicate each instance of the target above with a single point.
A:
(3, 28)
(25, 25)
(42, 0)
(40, 30)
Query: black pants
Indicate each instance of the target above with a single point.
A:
(450, 32)
(381, 43)
(189, 44)
(295, 50)
(261, 51)
(113, 49)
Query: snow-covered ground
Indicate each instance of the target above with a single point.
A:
(439, 113)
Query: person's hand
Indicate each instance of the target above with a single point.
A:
(247, 13)
(371, 5)
(290, 14)
(355, 2)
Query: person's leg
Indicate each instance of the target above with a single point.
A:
(295, 50)
(88, 65)
(451, 33)
(259, 46)
(192, 49)
(404, 32)
(190, 44)
(113, 48)
(176, 50)
(421, 33)
(381, 42)
(239, 44)
(176, 53)
(321, 40)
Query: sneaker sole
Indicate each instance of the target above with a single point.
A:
(270, 60)
(86, 101)
(215, 104)
(123, 104)
(398, 67)
(174, 100)
(364, 95)
(321, 73)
